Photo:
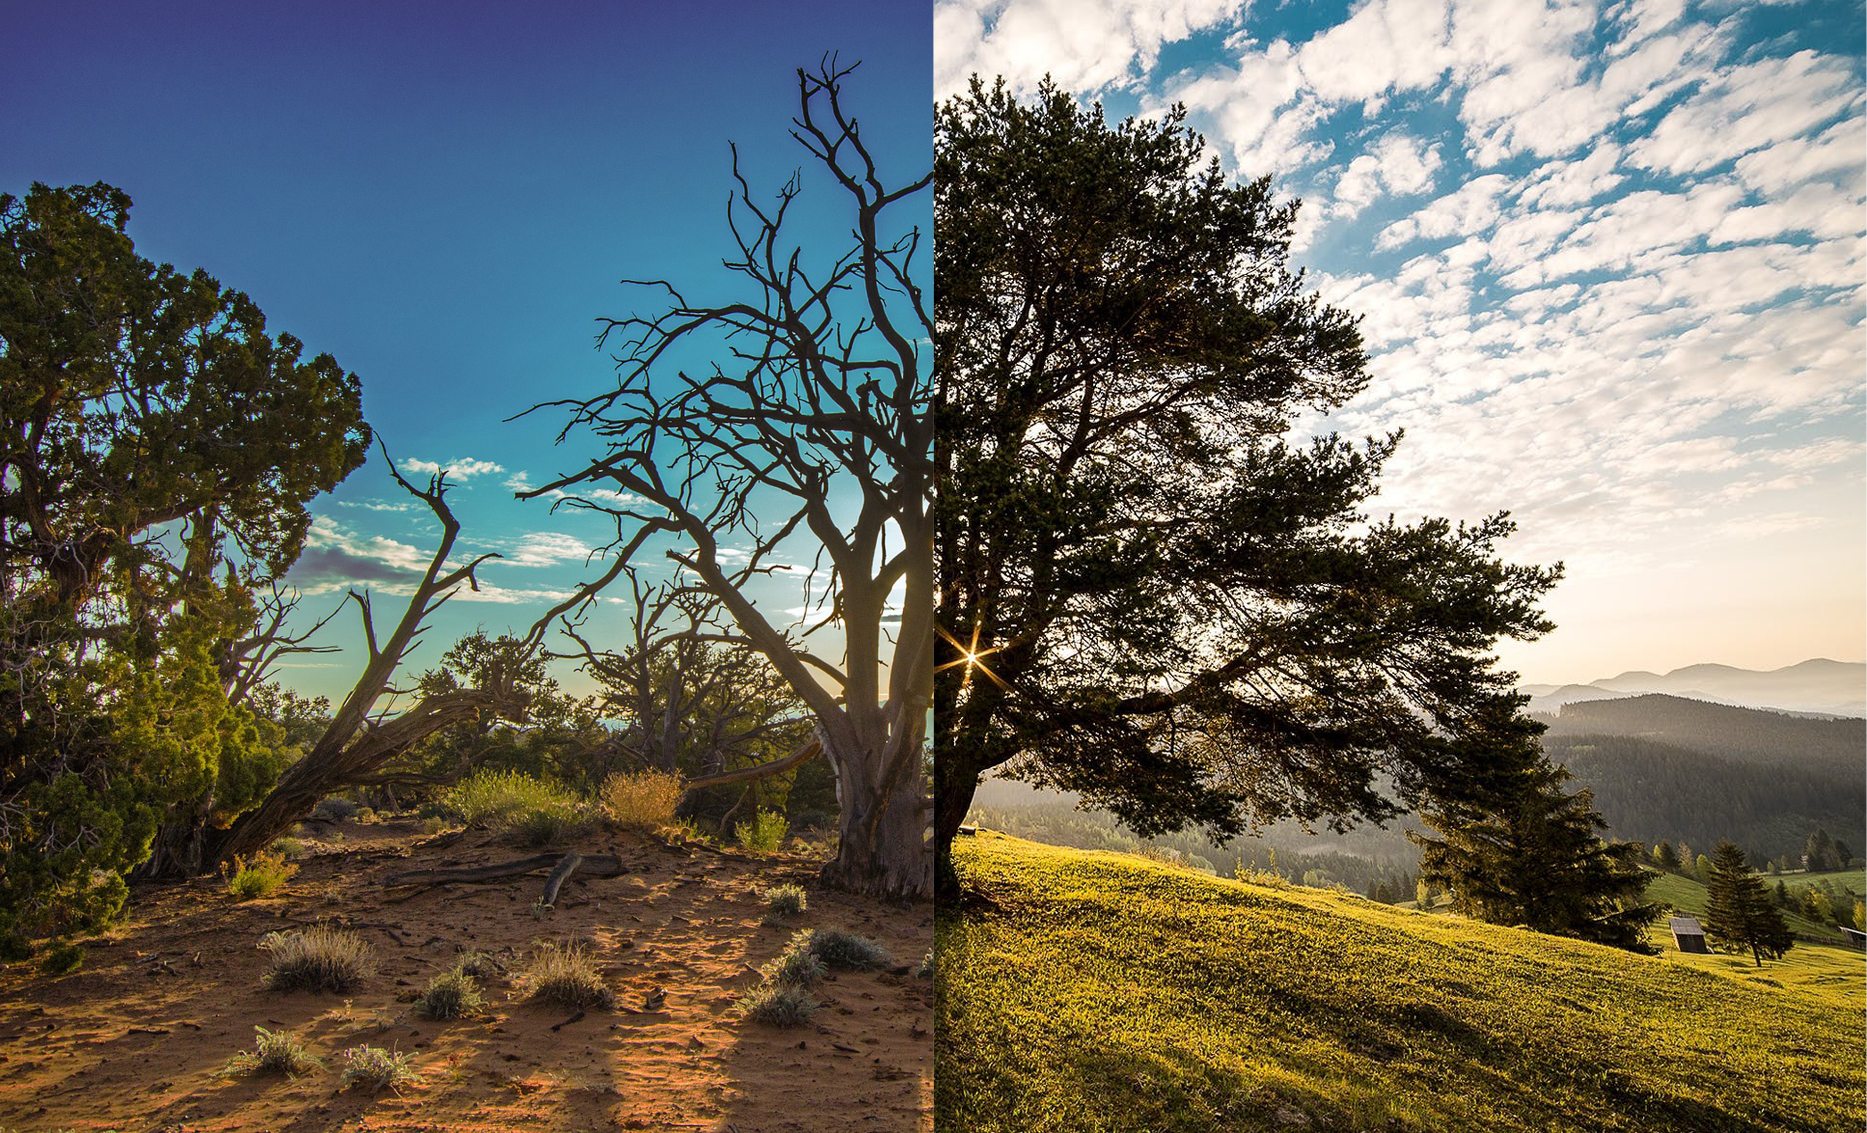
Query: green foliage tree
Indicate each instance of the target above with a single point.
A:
(1665, 856)
(1527, 852)
(1147, 594)
(1702, 869)
(158, 452)
(1738, 913)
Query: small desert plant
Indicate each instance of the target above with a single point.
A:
(843, 951)
(375, 1067)
(785, 901)
(62, 958)
(764, 833)
(289, 848)
(566, 975)
(645, 799)
(334, 808)
(433, 825)
(317, 959)
(490, 798)
(478, 965)
(548, 822)
(275, 1052)
(926, 967)
(781, 1005)
(796, 966)
(260, 876)
(450, 995)
(365, 814)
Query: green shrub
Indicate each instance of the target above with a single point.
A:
(374, 1067)
(450, 995)
(785, 901)
(262, 876)
(779, 1005)
(551, 822)
(62, 959)
(334, 808)
(566, 975)
(317, 959)
(764, 833)
(645, 800)
(796, 966)
(289, 848)
(494, 798)
(843, 951)
(275, 1052)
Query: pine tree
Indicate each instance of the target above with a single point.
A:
(1666, 856)
(1738, 913)
(1526, 852)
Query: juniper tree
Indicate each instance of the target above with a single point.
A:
(1738, 912)
(1525, 850)
(1148, 594)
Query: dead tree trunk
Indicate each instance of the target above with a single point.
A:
(358, 742)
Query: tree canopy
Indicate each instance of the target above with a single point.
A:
(1738, 912)
(1151, 591)
(158, 452)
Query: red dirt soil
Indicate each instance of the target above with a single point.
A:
(139, 1039)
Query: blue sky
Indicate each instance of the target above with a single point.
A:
(444, 198)
(1609, 259)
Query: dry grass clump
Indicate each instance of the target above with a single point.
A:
(260, 876)
(844, 951)
(784, 901)
(779, 1005)
(479, 965)
(566, 974)
(275, 1052)
(449, 996)
(374, 1067)
(645, 800)
(317, 959)
(553, 821)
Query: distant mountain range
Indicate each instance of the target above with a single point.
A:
(1821, 687)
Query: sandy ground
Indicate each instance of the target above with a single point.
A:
(139, 1039)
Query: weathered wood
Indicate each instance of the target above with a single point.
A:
(600, 865)
(559, 875)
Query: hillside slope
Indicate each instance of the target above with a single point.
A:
(1092, 991)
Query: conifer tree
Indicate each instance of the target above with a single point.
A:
(1666, 856)
(1738, 913)
(1526, 852)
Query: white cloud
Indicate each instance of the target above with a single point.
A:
(457, 469)
(1085, 45)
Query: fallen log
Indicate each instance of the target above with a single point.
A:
(598, 865)
(559, 875)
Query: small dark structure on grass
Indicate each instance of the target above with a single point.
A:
(1688, 934)
(1855, 937)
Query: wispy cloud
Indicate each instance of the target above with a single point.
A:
(464, 469)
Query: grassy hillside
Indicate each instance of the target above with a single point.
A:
(1095, 991)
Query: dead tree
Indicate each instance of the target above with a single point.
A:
(813, 426)
(359, 741)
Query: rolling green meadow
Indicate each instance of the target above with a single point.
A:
(1100, 991)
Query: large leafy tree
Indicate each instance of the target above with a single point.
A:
(157, 453)
(1525, 850)
(1149, 592)
(1738, 912)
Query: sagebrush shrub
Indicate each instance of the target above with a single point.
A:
(843, 951)
(764, 833)
(260, 876)
(376, 1068)
(551, 822)
(317, 959)
(780, 1005)
(334, 808)
(785, 901)
(646, 799)
(275, 1052)
(796, 966)
(566, 975)
(479, 965)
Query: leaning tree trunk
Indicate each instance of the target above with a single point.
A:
(955, 783)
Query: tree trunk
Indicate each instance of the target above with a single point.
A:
(955, 785)
(882, 849)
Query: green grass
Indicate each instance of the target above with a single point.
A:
(1102, 992)
(1688, 897)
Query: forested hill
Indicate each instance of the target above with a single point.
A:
(1746, 735)
(1667, 767)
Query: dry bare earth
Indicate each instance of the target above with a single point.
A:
(139, 1038)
